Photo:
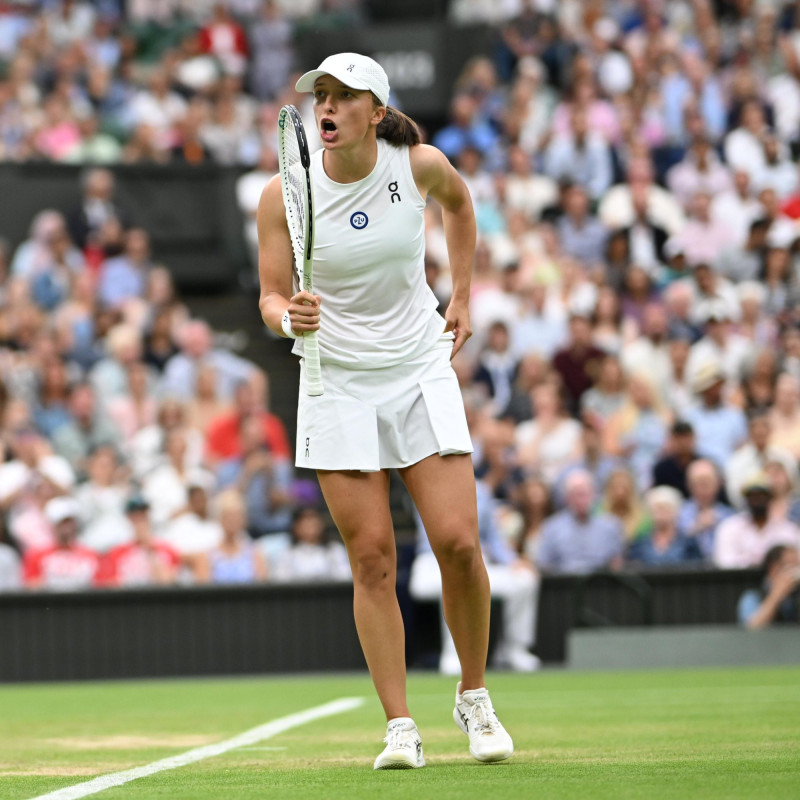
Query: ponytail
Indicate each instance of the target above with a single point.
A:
(398, 129)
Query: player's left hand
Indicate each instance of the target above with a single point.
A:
(457, 319)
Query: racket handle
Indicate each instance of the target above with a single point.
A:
(313, 369)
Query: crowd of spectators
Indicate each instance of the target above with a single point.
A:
(633, 382)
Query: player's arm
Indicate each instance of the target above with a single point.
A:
(436, 177)
(275, 259)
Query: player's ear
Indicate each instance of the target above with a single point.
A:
(378, 113)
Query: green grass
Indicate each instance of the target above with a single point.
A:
(680, 734)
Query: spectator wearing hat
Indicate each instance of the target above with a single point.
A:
(719, 426)
(664, 544)
(701, 514)
(66, 565)
(576, 540)
(744, 539)
(777, 600)
(143, 561)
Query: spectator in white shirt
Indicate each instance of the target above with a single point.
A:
(737, 207)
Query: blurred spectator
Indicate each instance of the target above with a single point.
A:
(776, 601)
(142, 562)
(225, 39)
(236, 559)
(102, 500)
(578, 361)
(702, 512)
(700, 171)
(720, 427)
(637, 432)
(533, 498)
(744, 539)
(270, 38)
(66, 565)
(96, 207)
(577, 540)
(540, 326)
(607, 396)
(159, 110)
(248, 194)
(86, 428)
(671, 470)
(582, 234)
(737, 207)
(124, 277)
(264, 479)
(785, 415)
(549, 442)
(510, 578)
(249, 400)
(195, 339)
(10, 564)
(580, 157)
(621, 500)
(664, 544)
(497, 366)
(753, 456)
(310, 558)
(191, 530)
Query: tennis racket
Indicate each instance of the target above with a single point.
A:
(294, 163)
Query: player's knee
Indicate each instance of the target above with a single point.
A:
(373, 568)
(458, 551)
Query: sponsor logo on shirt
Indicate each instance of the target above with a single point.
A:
(359, 220)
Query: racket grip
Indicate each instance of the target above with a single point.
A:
(313, 369)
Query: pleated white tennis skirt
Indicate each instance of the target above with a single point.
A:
(374, 419)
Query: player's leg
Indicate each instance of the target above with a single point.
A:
(443, 489)
(359, 505)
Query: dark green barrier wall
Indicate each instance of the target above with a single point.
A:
(190, 213)
(250, 630)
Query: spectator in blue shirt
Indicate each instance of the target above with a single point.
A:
(777, 600)
(125, 277)
(577, 540)
(664, 545)
(702, 513)
(465, 129)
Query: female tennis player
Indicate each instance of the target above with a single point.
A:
(391, 397)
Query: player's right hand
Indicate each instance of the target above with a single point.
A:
(304, 312)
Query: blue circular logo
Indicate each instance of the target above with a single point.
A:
(359, 220)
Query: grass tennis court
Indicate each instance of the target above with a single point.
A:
(711, 734)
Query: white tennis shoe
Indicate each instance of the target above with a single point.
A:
(474, 714)
(403, 746)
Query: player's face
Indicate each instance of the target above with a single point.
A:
(344, 115)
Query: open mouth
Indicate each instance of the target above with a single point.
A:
(328, 126)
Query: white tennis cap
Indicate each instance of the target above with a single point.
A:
(353, 70)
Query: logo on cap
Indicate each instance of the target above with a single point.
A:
(351, 67)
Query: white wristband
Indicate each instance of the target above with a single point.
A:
(286, 325)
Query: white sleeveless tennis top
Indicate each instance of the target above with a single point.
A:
(369, 248)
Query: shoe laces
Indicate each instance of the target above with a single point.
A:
(482, 718)
(401, 738)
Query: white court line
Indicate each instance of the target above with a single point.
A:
(259, 734)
